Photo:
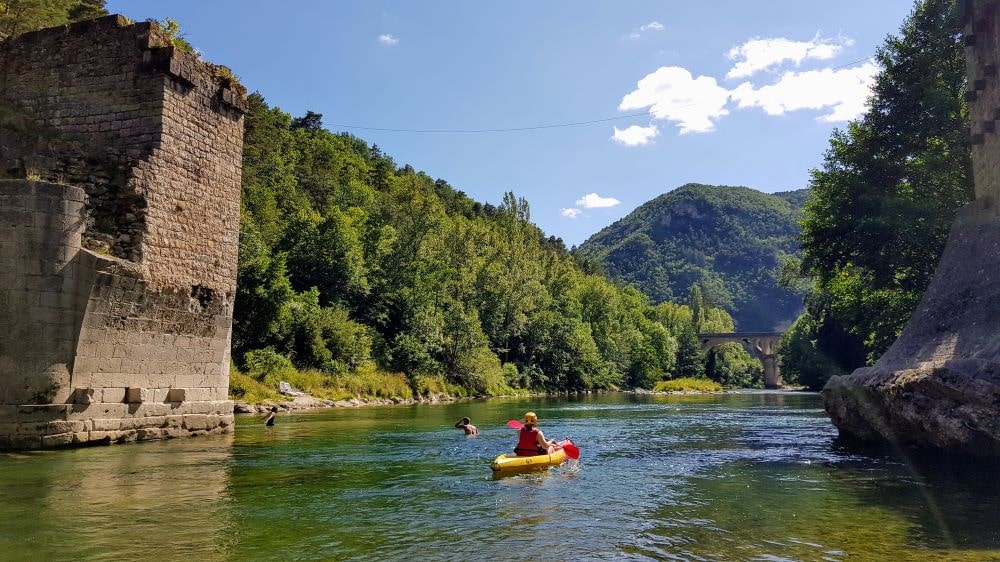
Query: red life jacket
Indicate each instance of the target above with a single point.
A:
(527, 443)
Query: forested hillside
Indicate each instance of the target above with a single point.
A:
(729, 240)
(349, 262)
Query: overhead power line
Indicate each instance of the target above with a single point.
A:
(852, 62)
(532, 127)
(505, 130)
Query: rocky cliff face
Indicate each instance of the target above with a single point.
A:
(938, 386)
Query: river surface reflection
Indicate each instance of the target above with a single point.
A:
(709, 477)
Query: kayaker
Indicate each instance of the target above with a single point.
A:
(530, 440)
(466, 424)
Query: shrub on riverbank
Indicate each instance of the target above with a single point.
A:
(371, 383)
(249, 390)
(688, 384)
(268, 368)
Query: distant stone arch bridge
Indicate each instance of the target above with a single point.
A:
(762, 345)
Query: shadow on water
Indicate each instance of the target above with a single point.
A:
(954, 500)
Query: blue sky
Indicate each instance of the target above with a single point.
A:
(740, 92)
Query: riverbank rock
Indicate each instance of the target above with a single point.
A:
(309, 402)
(244, 408)
(938, 386)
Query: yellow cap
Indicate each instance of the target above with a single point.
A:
(530, 418)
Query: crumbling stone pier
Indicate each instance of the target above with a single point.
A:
(119, 227)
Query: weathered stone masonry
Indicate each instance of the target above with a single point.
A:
(119, 227)
(938, 385)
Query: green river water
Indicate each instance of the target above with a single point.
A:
(747, 476)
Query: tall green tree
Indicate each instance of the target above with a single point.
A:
(697, 304)
(690, 361)
(886, 194)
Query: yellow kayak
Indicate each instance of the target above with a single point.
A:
(510, 463)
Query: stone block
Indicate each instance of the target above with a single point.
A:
(135, 395)
(43, 412)
(177, 395)
(85, 396)
(23, 442)
(112, 424)
(148, 434)
(113, 395)
(197, 422)
(84, 365)
(57, 440)
(111, 365)
(212, 407)
(63, 426)
(174, 432)
(99, 410)
(143, 422)
(155, 421)
(199, 394)
(154, 409)
(30, 429)
(106, 436)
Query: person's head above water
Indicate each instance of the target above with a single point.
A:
(530, 419)
(465, 421)
(274, 409)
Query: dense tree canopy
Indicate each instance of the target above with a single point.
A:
(885, 197)
(347, 260)
(21, 16)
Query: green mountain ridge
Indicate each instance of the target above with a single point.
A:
(730, 240)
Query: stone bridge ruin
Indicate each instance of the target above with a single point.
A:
(760, 345)
(938, 386)
(119, 226)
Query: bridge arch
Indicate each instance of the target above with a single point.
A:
(762, 345)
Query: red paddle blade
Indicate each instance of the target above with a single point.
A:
(514, 424)
(572, 451)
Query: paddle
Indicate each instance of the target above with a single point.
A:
(572, 451)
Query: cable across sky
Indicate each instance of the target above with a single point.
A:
(505, 130)
(531, 127)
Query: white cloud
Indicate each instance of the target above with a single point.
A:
(672, 94)
(387, 39)
(694, 105)
(651, 26)
(764, 54)
(595, 201)
(635, 135)
(570, 213)
(842, 93)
